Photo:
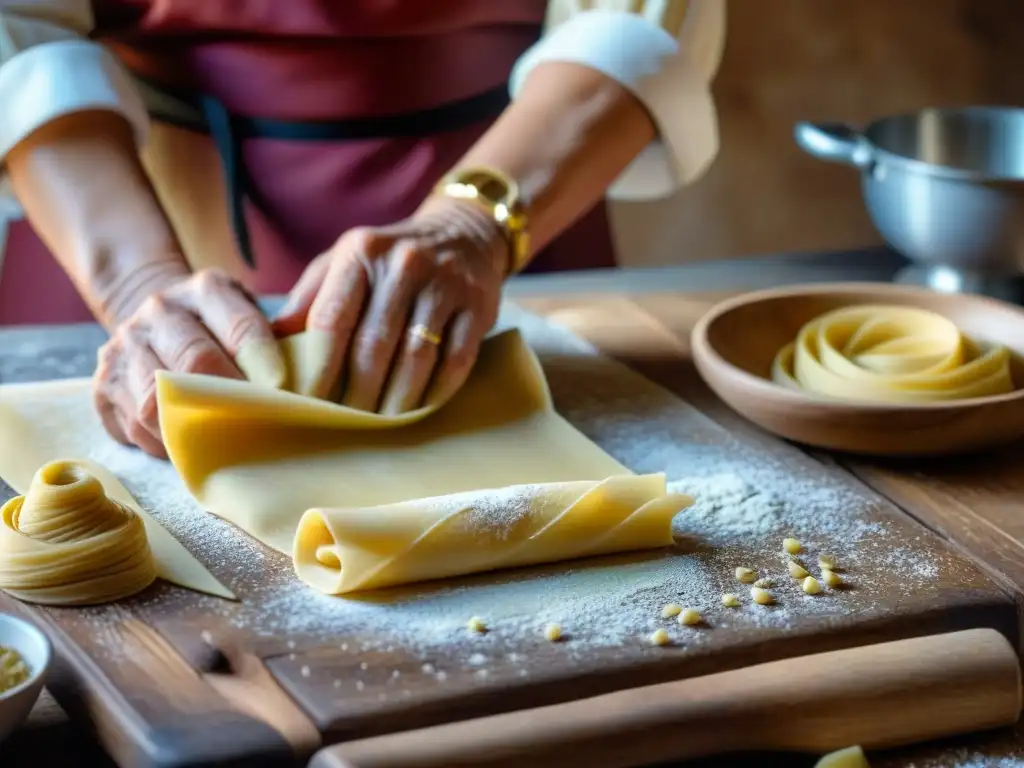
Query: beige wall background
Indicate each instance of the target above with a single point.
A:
(790, 60)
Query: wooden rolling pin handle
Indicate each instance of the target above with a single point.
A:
(877, 696)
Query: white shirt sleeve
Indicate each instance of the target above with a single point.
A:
(49, 68)
(667, 53)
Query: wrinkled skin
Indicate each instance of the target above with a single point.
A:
(442, 269)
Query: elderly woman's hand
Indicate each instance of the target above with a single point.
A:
(198, 324)
(401, 310)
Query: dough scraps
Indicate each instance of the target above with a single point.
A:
(891, 354)
(260, 458)
(349, 549)
(851, 757)
(66, 543)
(24, 449)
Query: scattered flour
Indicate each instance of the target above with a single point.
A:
(497, 511)
(962, 758)
(745, 502)
(726, 505)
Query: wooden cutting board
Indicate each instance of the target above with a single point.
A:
(138, 674)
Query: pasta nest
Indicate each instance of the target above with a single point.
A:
(890, 354)
(66, 543)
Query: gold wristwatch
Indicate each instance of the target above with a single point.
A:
(497, 195)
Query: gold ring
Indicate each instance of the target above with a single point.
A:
(422, 332)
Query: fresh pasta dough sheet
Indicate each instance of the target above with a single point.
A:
(260, 457)
(387, 500)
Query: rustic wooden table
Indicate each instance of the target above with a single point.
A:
(974, 505)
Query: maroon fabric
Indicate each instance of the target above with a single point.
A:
(322, 59)
(309, 60)
(33, 287)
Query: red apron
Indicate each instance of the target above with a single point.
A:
(424, 76)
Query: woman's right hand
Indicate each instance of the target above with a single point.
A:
(198, 325)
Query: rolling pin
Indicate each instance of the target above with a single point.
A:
(878, 696)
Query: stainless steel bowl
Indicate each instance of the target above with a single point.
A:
(944, 187)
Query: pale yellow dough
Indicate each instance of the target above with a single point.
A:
(349, 549)
(891, 354)
(851, 757)
(24, 448)
(260, 458)
(66, 543)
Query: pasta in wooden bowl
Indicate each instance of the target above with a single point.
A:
(869, 368)
(891, 354)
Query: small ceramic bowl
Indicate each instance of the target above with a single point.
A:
(735, 343)
(33, 647)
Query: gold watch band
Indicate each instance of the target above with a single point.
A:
(498, 195)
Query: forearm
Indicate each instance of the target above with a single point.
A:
(568, 135)
(85, 192)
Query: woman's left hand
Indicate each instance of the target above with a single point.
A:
(401, 310)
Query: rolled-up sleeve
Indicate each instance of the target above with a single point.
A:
(49, 68)
(666, 52)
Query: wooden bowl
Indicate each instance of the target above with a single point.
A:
(735, 343)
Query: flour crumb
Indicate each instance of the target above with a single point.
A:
(659, 637)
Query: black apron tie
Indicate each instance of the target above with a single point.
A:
(228, 132)
(236, 179)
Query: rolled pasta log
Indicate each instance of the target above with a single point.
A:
(352, 549)
(891, 354)
(66, 543)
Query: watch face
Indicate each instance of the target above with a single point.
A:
(490, 188)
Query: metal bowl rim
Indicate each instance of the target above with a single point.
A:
(888, 158)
